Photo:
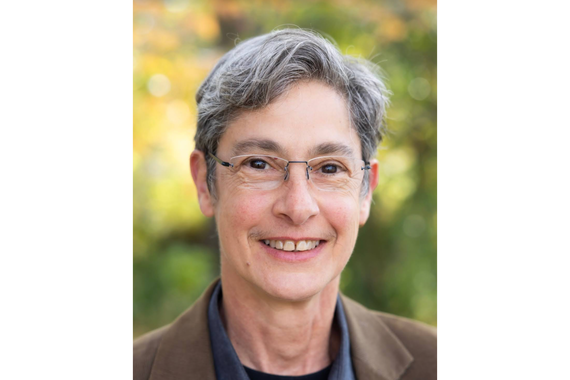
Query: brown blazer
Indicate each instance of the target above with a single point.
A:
(383, 346)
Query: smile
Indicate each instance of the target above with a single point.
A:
(289, 245)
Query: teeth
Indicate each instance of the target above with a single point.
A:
(301, 246)
(289, 245)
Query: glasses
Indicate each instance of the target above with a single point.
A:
(264, 172)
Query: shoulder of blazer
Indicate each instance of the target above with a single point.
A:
(386, 346)
(178, 351)
(421, 341)
(144, 352)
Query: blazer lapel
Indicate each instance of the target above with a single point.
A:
(376, 352)
(185, 351)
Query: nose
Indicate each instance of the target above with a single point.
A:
(296, 202)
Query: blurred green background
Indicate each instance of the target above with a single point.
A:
(176, 44)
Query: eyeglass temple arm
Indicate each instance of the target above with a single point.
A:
(366, 166)
(223, 163)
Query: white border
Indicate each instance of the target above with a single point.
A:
(504, 190)
(66, 193)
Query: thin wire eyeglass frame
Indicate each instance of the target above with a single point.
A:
(229, 165)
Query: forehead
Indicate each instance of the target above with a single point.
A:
(310, 119)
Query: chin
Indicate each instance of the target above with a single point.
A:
(294, 286)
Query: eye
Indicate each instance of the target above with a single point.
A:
(329, 169)
(257, 164)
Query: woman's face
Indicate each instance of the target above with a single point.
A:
(308, 120)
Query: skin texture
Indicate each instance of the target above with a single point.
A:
(279, 314)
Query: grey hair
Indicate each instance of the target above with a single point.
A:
(259, 70)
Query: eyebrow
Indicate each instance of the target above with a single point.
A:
(270, 146)
(246, 146)
(328, 148)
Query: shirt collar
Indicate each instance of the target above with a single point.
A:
(226, 361)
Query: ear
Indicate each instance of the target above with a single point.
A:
(372, 183)
(199, 173)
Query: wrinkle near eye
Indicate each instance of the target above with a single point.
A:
(237, 180)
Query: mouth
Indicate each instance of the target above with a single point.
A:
(292, 246)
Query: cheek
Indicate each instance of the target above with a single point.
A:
(236, 217)
(343, 214)
(248, 210)
(240, 212)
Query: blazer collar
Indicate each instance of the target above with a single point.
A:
(376, 352)
(185, 351)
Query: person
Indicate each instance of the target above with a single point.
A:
(287, 132)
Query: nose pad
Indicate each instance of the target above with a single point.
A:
(307, 167)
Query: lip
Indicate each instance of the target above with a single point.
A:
(292, 256)
(296, 240)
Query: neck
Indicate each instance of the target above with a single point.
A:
(280, 336)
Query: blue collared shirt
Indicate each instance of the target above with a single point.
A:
(226, 361)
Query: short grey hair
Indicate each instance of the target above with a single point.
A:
(259, 70)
